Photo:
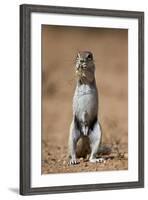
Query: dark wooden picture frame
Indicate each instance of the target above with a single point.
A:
(25, 99)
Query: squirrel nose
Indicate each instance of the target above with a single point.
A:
(82, 61)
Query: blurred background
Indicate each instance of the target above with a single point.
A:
(60, 45)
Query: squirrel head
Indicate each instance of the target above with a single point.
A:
(85, 68)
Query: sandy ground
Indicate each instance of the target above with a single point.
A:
(59, 48)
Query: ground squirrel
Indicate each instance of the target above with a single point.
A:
(85, 123)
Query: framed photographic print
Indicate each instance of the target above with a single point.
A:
(81, 99)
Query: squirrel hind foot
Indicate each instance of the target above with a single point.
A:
(73, 162)
(97, 160)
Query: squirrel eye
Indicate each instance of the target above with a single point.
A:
(89, 57)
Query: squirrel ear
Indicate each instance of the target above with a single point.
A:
(78, 55)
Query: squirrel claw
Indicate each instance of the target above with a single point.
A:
(73, 162)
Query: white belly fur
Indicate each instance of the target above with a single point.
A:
(85, 101)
